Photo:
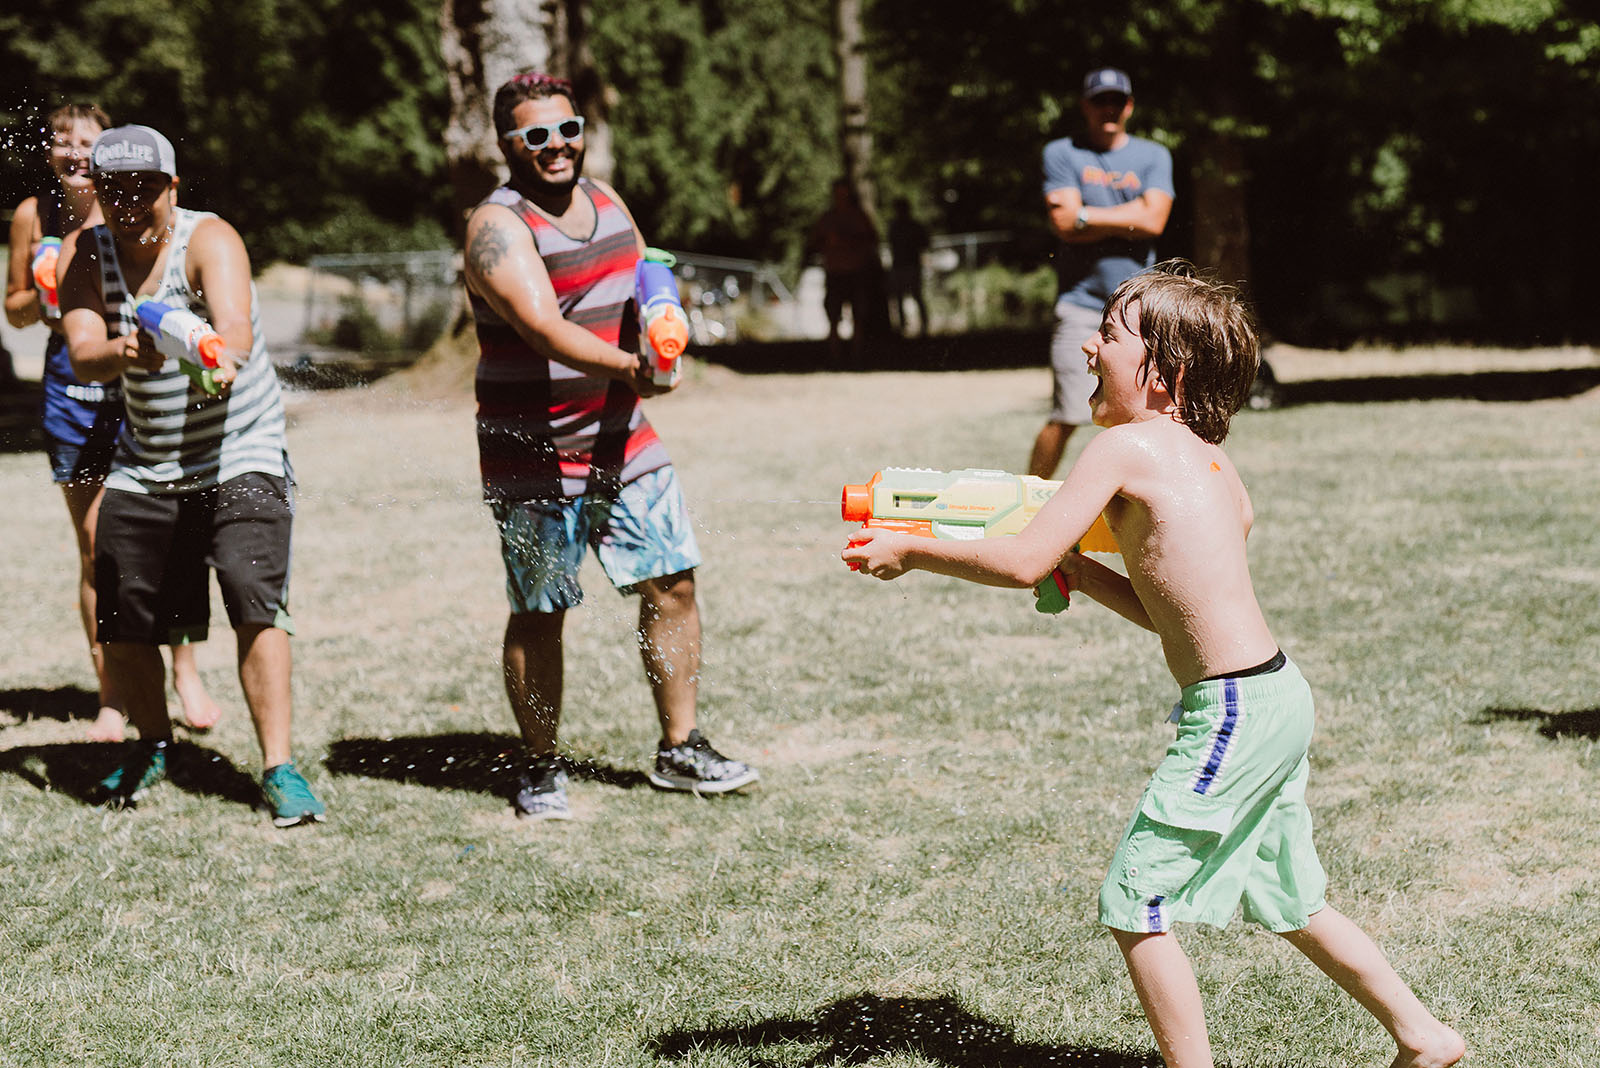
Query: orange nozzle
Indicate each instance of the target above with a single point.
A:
(668, 333)
(856, 503)
(855, 506)
(210, 347)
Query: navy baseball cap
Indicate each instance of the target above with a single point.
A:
(1107, 80)
(133, 148)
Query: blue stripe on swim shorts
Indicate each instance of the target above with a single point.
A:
(1222, 739)
(1155, 917)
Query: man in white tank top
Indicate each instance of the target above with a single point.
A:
(195, 477)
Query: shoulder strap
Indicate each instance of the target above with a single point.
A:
(49, 218)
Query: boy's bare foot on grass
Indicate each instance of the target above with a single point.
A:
(1439, 1050)
(200, 712)
(109, 726)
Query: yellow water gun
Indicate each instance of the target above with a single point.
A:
(964, 505)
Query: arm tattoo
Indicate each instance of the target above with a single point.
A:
(489, 247)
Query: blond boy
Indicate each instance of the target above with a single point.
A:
(1223, 821)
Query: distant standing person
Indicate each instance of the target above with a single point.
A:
(1108, 195)
(846, 240)
(81, 419)
(197, 483)
(569, 461)
(908, 240)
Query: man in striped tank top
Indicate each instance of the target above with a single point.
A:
(196, 482)
(568, 459)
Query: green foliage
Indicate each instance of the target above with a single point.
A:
(359, 329)
(725, 119)
(996, 296)
(1377, 134)
(1376, 137)
(306, 123)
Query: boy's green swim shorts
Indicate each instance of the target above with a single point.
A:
(1224, 818)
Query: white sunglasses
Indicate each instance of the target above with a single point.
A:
(538, 135)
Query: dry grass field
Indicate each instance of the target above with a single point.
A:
(945, 771)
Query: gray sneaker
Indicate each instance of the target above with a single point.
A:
(695, 767)
(542, 791)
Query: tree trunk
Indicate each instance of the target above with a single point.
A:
(1221, 224)
(1221, 172)
(855, 138)
(484, 43)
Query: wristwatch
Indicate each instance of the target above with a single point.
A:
(1082, 222)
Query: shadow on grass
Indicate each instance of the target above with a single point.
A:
(480, 762)
(860, 1029)
(1476, 385)
(1019, 348)
(76, 768)
(63, 703)
(1584, 723)
(19, 418)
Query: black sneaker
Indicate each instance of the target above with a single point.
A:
(542, 791)
(695, 767)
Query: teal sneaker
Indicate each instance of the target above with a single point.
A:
(132, 780)
(288, 797)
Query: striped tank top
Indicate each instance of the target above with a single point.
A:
(175, 441)
(545, 430)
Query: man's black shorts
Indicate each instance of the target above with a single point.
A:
(153, 558)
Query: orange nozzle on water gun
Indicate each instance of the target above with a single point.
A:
(668, 335)
(856, 506)
(210, 348)
(964, 505)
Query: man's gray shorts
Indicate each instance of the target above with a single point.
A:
(1069, 401)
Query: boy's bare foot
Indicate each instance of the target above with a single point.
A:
(109, 726)
(1441, 1050)
(200, 712)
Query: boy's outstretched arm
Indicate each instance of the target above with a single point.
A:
(1022, 560)
(990, 562)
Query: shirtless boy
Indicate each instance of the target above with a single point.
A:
(1223, 820)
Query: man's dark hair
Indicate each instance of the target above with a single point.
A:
(1199, 338)
(530, 85)
(65, 115)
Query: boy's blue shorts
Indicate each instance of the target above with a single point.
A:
(644, 533)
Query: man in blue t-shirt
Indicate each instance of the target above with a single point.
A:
(1108, 195)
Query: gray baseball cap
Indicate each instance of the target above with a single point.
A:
(1107, 80)
(133, 148)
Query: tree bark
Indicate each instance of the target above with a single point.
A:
(855, 136)
(484, 43)
(1221, 222)
(1221, 170)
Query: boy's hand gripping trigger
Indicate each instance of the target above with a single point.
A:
(1053, 595)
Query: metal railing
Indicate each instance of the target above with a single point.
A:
(401, 301)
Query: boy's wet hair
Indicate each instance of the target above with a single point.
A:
(529, 85)
(1199, 338)
(63, 117)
